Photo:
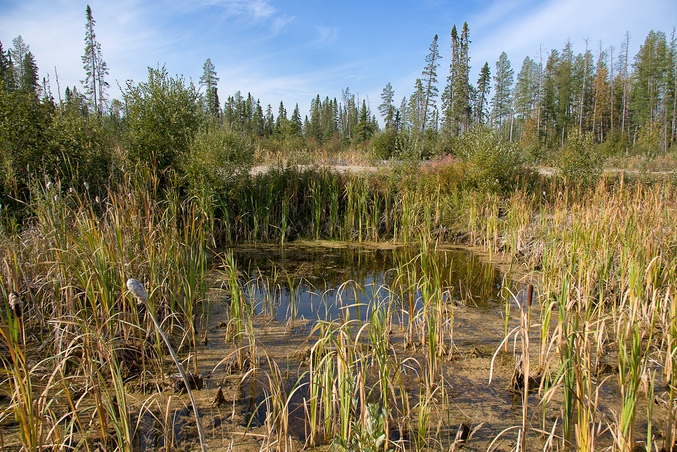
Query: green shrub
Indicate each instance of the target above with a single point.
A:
(579, 165)
(494, 164)
(162, 116)
(216, 155)
(384, 144)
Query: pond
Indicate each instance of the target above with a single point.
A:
(337, 281)
(293, 289)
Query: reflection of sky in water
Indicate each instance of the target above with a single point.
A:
(340, 283)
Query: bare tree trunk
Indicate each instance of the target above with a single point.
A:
(585, 76)
(674, 105)
(625, 82)
(611, 78)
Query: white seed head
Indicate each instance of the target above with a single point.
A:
(136, 288)
(15, 303)
(49, 185)
(86, 185)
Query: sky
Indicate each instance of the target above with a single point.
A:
(293, 50)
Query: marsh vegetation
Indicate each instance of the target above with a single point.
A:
(399, 349)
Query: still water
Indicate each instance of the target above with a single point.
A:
(339, 281)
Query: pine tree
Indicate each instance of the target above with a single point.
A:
(209, 80)
(430, 83)
(96, 69)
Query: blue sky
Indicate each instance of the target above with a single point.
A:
(292, 50)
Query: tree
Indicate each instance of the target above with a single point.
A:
(209, 80)
(281, 121)
(6, 70)
(601, 113)
(96, 69)
(461, 92)
(526, 89)
(650, 81)
(502, 100)
(29, 76)
(295, 125)
(483, 87)
(163, 115)
(387, 108)
(430, 81)
(18, 53)
(365, 128)
(416, 107)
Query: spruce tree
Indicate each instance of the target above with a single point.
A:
(461, 93)
(502, 100)
(29, 76)
(209, 80)
(483, 87)
(387, 108)
(429, 81)
(5, 69)
(96, 69)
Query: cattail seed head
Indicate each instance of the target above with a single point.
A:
(136, 288)
(16, 304)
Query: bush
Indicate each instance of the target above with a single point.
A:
(384, 144)
(162, 116)
(217, 155)
(578, 163)
(494, 164)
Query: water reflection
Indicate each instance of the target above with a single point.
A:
(340, 282)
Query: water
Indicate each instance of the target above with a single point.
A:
(337, 282)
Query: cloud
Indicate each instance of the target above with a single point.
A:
(325, 36)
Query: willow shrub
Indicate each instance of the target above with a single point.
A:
(494, 165)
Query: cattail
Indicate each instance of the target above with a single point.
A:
(136, 288)
(15, 304)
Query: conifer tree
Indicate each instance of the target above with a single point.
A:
(96, 69)
(429, 81)
(209, 80)
(296, 125)
(483, 87)
(29, 76)
(6, 76)
(502, 100)
(18, 53)
(387, 108)
(461, 98)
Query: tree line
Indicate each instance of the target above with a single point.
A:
(619, 102)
